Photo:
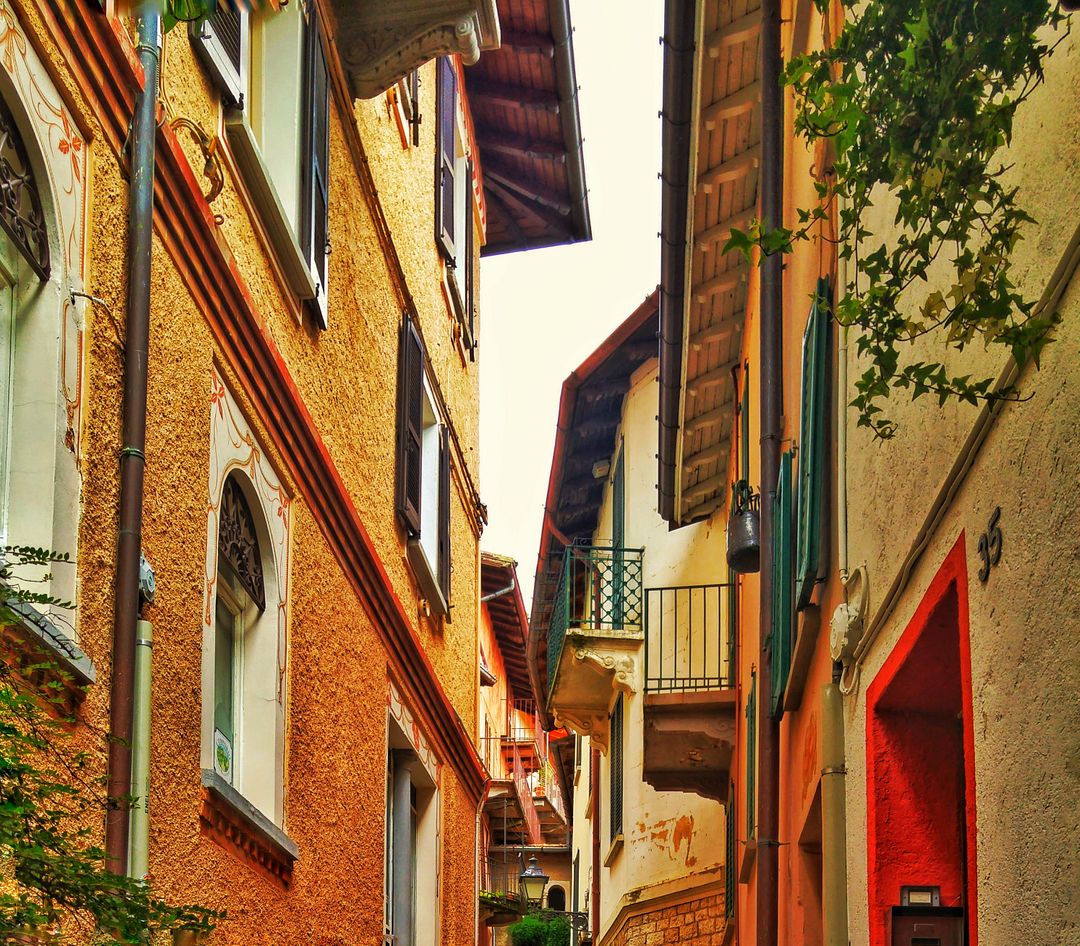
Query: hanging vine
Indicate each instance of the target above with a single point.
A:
(918, 97)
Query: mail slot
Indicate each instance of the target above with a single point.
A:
(927, 926)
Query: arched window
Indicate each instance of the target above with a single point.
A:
(556, 898)
(244, 679)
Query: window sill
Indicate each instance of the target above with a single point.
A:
(613, 851)
(264, 197)
(425, 577)
(36, 639)
(237, 825)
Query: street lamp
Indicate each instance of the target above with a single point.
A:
(532, 882)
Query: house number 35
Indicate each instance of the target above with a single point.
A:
(990, 546)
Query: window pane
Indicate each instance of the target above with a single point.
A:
(224, 681)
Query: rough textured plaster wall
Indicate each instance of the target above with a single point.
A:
(1023, 620)
(336, 742)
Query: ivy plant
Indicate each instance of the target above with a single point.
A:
(54, 888)
(917, 99)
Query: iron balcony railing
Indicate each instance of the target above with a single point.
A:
(523, 723)
(688, 643)
(599, 590)
(547, 786)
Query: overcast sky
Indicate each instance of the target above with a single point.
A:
(544, 311)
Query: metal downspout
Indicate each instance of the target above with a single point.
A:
(833, 816)
(132, 453)
(566, 84)
(772, 395)
(139, 848)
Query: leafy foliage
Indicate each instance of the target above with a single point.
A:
(53, 887)
(918, 97)
(537, 931)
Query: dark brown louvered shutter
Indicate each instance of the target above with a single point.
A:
(470, 267)
(221, 43)
(315, 164)
(410, 405)
(444, 513)
(446, 108)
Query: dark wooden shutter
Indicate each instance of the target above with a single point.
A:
(813, 447)
(470, 267)
(730, 853)
(444, 513)
(221, 43)
(410, 405)
(315, 151)
(751, 757)
(615, 738)
(618, 543)
(783, 586)
(446, 109)
(744, 417)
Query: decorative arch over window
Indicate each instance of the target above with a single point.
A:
(20, 203)
(238, 541)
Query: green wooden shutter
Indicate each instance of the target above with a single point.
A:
(751, 755)
(729, 854)
(314, 220)
(616, 740)
(444, 514)
(813, 447)
(618, 541)
(783, 586)
(469, 320)
(410, 406)
(446, 118)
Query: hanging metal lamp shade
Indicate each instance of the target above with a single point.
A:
(744, 530)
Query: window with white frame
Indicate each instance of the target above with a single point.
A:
(270, 68)
(247, 738)
(423, 472)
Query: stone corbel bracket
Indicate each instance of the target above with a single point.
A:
(620, 667)
(593, 725)
(382, 41)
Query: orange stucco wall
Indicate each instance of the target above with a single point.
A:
(346, 377)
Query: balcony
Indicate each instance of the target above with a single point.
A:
(689, 689)
(594, 636)
(509, 806)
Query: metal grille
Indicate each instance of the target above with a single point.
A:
(599, 590)
(616, 778)
(238, 541)
(20, 204)
(688, 630)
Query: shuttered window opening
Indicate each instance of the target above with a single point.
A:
(751, 757)
(618, 541)
(221, 43)
(783, 586)
(468, 318)
(813, 447)
(315, 164)
(445, 203)
(729, 854)
(423, 474)
(616, 738)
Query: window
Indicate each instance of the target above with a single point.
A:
(407, 97)
(423, 472)
(271, 71)
(616, 767)
(556, 898)
(783, 586)
(247, 746)
(813, 441)
(454, 223)
(410, 915)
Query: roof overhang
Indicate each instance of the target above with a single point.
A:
(382, 41)
(711, 141)
(524, 102)
(506, 608)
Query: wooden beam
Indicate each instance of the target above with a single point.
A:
(513, 96)
(710, 454)
(724, 282)
(732, 325)
(518, 146)
(742, 30)
(710, 418)
(517, 235)
(531, 208)
(710, 379)
(731, 106)
(702, 510)
(523, 42)
(738, 166)
(706, 486)
(524, 186)
(721, 232)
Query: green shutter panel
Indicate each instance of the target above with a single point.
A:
(783, 586)
(446, 118)
(616, 740)
(444, 514)
(751, 756)
(314, 196)
(729, 854)
(221, 44)
(470, 267)
(410, 407)
(813, 447)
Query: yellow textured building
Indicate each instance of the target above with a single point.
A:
(309, 504)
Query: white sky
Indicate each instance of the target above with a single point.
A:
(544, 311)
